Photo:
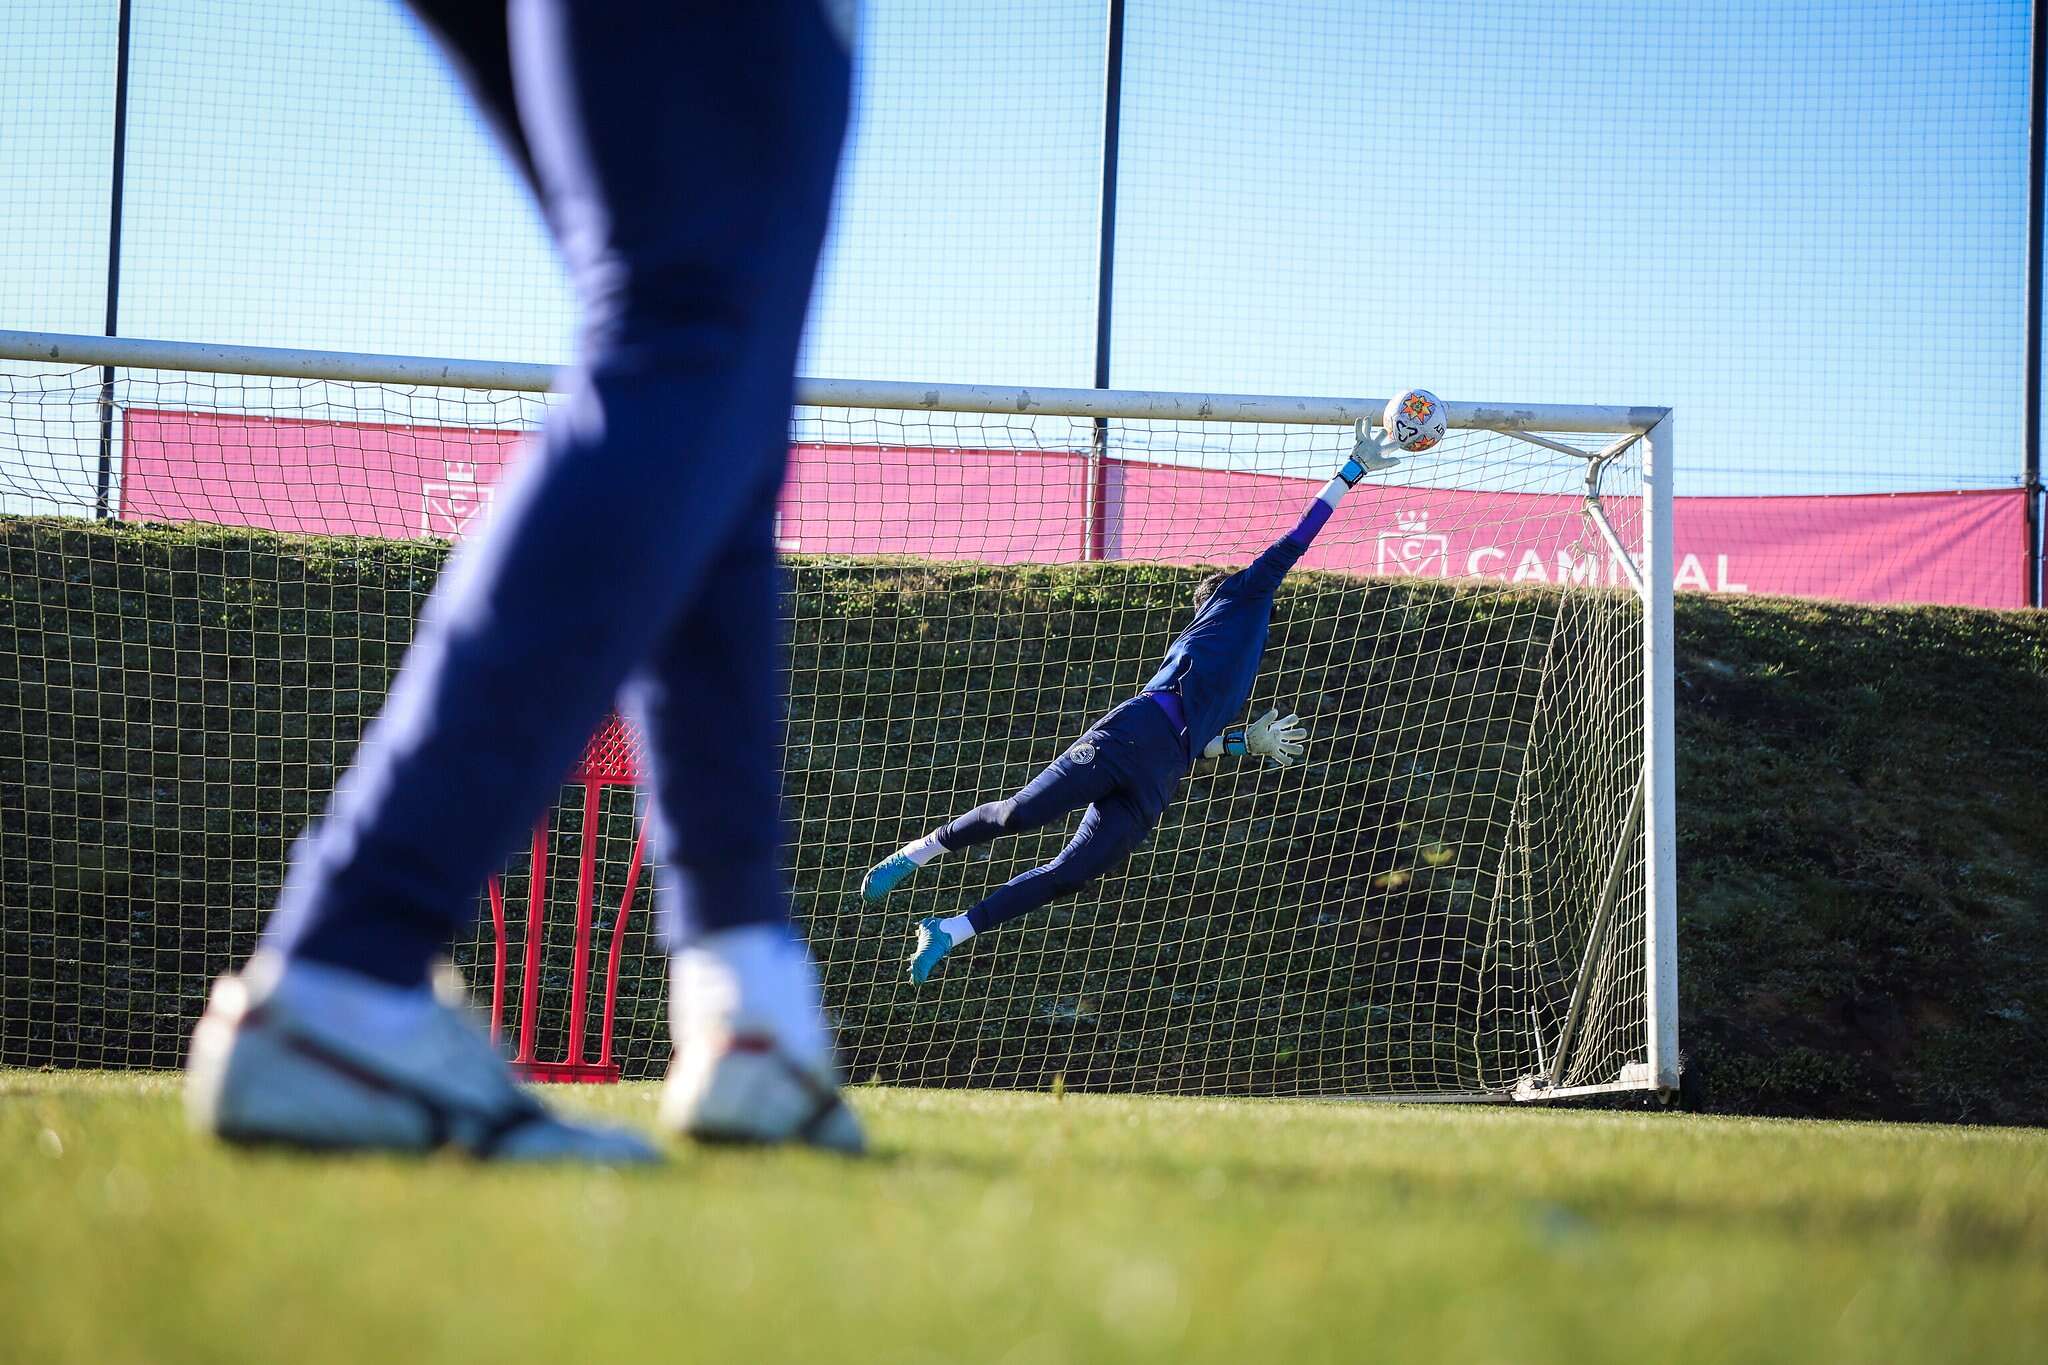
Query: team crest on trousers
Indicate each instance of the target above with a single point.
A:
(1084, 752)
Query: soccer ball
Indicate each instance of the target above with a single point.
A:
(1415, 419)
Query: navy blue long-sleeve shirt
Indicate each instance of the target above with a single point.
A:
(1213, 663)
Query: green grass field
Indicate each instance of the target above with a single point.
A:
(1002, 1226)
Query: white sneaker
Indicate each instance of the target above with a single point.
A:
(753, 1056)
(305, 1055)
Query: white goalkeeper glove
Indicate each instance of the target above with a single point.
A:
(1278, 739)
(1375, 451)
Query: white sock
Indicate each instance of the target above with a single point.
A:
(922, 851)
(957, 929)
(757, 976)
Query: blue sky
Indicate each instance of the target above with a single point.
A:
(1801, 225)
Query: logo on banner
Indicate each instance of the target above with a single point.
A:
(1412, 549)
(447, 508)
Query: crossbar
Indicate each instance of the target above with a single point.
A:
(60, 348)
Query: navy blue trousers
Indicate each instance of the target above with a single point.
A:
(1125, 770)
(684, 156)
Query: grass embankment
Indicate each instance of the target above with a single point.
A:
(1863, 858)
(1028, 1228)
(1863, 827)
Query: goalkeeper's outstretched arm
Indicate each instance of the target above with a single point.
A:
(1278, 739)
(1371, 455)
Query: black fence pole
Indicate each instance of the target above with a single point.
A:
(103, 502)
(2037, 136)
(1097, 529)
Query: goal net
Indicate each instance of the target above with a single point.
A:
(1460, 893)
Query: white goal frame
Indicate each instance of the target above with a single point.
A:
(1652, 580)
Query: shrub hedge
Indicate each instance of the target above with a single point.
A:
(1863, 825)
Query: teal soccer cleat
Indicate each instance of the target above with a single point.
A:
(933, 943)
(886, 876)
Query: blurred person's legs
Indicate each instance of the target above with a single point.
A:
(684, 157)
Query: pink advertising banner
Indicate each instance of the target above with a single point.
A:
(1033, 506)
(317, 477)
(1963, 549)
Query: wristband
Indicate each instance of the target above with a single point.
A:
(1233, 740)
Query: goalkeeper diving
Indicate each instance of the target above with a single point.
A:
(1128, 766)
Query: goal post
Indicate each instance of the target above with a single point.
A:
(1660, 763)
(1466, 891)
